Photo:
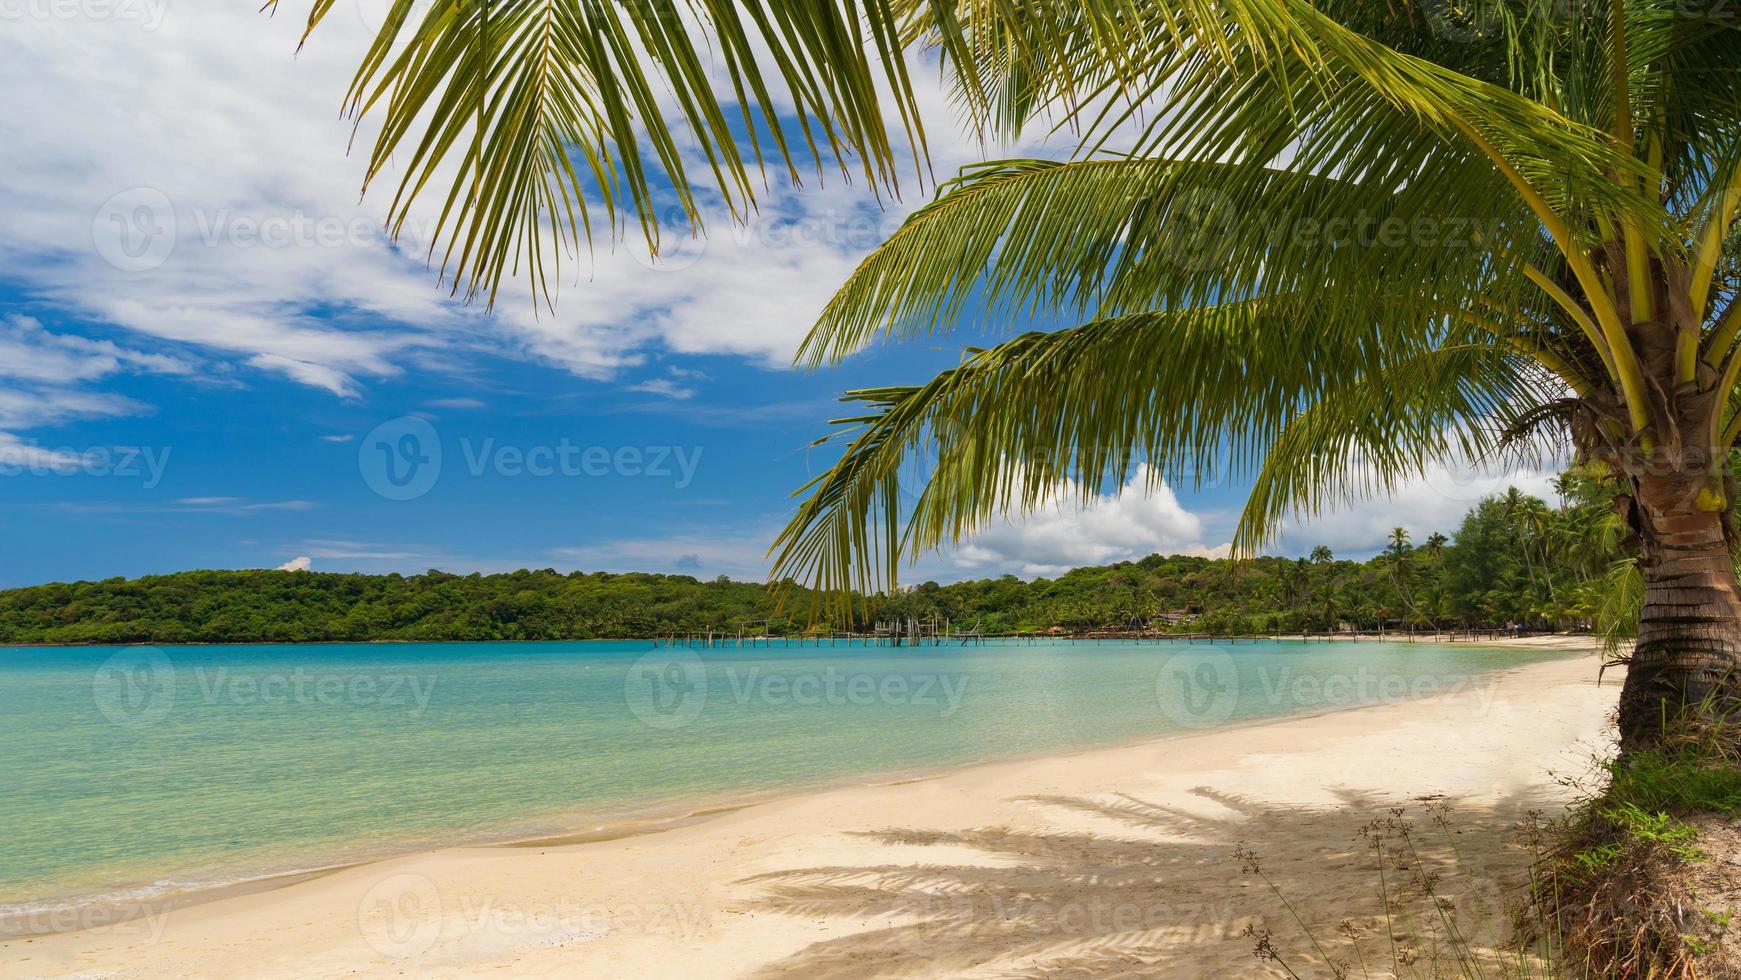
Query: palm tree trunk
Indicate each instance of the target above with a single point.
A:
(1689, 636)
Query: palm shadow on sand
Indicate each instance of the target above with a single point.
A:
(1158, 892)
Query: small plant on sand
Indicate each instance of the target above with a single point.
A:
(1635, 881)
(1433, 920)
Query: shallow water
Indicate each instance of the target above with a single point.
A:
(135, 770)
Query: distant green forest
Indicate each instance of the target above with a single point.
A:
(1514, 559)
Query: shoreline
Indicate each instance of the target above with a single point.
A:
(724, 643)
(287, 890)
(654, 817)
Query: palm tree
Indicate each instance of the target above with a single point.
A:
(1397, 545)
(1398, 551)
(1342, 242)
(1262, 270)
(1331, 603)
(1435, 545)
(1527, 520)
(1564, 485)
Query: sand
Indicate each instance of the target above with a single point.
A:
(1111, 862)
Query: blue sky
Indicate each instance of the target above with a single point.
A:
(683, 464)
(253, 470)
(201, 325)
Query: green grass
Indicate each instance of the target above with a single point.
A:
(1687, 777)
(1650, 792)
(1644, 827)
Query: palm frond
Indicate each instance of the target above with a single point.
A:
(1016, 425)
(1444, 406)
(1244, 80)
(1100, 238)
(533, 112)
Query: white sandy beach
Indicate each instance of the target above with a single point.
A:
(1111, 862)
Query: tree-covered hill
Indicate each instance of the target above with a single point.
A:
(1514, 559)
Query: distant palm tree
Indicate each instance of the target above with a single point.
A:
(1296, 581)
(1339, 242)
(1434, 545)
(1398, 550)
(1564, 484)
(1398, 547)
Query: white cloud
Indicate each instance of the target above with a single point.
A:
(664, 387)
(29, 353)
(678, 384)
(1131, 523)
(300, 563)
(328, 548)
(1124, 525)
(45, 375)
(1136, 521)
(1436, 501)
(26, 408)
(226, 218)
(242, 507)
(309, 373)
(456, 403)
(1127, 524)
(19, 455)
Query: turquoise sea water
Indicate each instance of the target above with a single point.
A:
(128, 771)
